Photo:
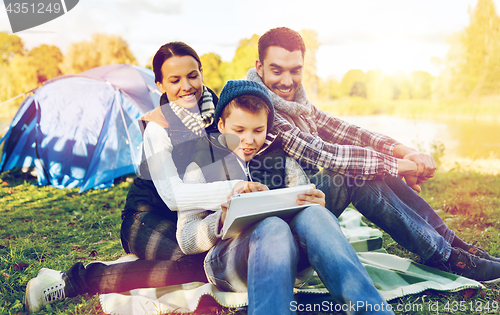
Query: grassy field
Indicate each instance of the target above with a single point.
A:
(48, 227)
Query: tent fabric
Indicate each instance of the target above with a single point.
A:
(81, 130)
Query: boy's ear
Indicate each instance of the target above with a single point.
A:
(220, 125)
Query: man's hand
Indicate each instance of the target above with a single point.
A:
(311, 196)
(408, 170)
(426, 166)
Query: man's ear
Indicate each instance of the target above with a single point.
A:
(259, 66)
(160, 87)
(220, 125)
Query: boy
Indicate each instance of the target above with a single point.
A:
(264, 260)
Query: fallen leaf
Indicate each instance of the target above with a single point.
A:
(93, 253)
(468, 293)
(20, 266)
(6, 276)
(75, 247)
(71, 224)
(101, 242)
(11, 237)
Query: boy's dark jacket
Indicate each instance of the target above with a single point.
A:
(219, 163)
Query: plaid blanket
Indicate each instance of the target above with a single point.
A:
(393, 276)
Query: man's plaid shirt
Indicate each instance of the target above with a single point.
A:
(339, 146)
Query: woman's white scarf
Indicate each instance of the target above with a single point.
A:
(197, 122)
(298, 112)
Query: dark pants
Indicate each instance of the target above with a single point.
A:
(151, 237)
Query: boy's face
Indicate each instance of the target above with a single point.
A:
(250, 128)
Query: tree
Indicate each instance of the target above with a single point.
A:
(473, 65)
(350, 79)
(329, 89)
(46, 60)
(212, 76)
(310, 77)
(101, 50)
(10, 45)
(379, 86)
(243, 60)
(421, 84)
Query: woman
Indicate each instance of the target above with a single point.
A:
(149, 221)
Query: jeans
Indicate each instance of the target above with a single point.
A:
(265, 259)
(392, 206)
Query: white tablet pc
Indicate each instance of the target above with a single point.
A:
(245, 209)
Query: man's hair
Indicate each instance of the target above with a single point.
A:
(169, 50)
(282, 37)
(249, 103)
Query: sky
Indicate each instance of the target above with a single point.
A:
(391, 35)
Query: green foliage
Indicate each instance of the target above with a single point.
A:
(101, 50)
(473, 64)
(485, 108)
(350, 79)
(329, 89)
(212, 76)
(310, 79)
(46, 60)
(244, 59)
(10, 45)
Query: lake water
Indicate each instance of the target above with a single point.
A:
(462, 138)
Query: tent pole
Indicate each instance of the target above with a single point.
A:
(15, 97)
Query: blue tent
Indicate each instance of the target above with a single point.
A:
(81, 130)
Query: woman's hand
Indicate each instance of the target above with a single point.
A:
(312, 196)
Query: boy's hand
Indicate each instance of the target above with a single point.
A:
(312, 196)
(246, 187)
(223, 215)
(240, 188)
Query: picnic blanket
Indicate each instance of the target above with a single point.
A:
(393, 277)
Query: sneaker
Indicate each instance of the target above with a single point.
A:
(467, 265)
(46, 288)
(481, 253)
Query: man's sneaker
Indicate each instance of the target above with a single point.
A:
(481, 253)
(46, 288)
(465, 264)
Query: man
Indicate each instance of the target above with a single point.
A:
(352, 173)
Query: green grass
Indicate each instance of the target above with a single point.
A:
(52, 228)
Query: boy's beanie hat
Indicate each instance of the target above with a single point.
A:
(235, 88)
